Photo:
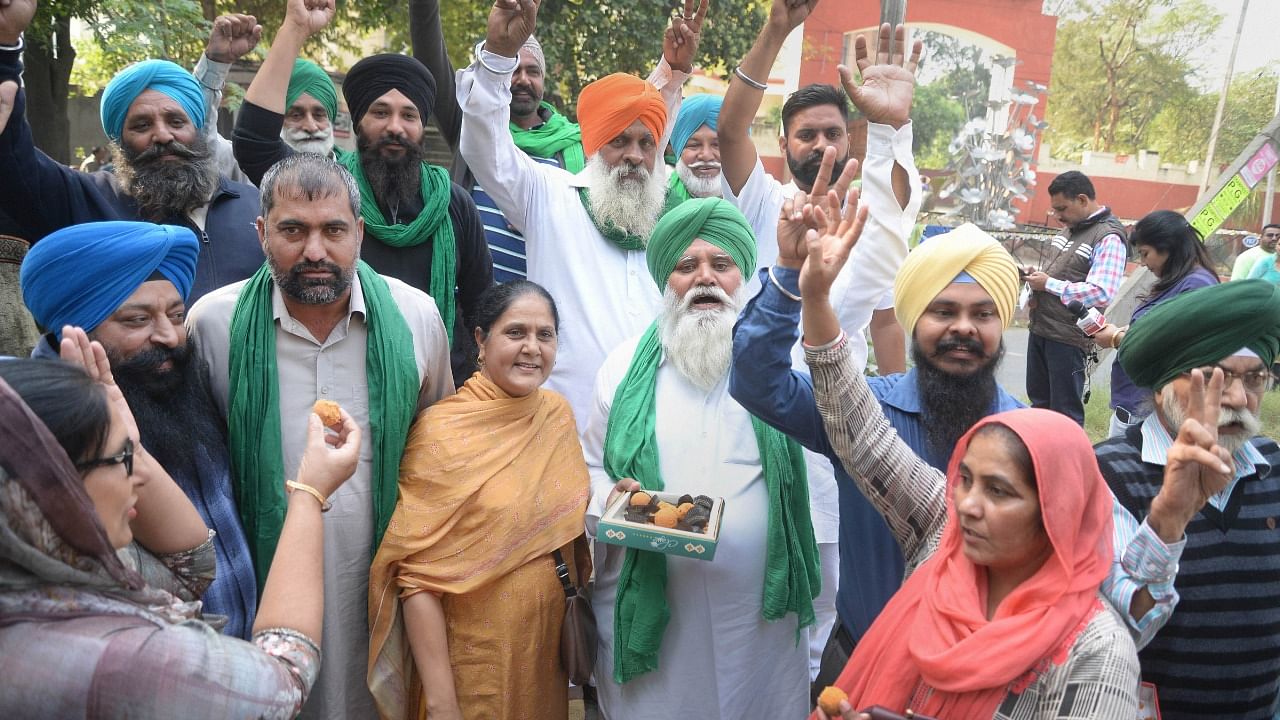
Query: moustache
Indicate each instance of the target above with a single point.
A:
(967, 344)
(319, 266)
(396, 140)
(1247, 421)
(700, 165)
(157, 151)
(709, 292)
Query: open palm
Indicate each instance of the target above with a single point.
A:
(888, 81)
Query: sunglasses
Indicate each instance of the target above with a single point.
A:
(125, 457)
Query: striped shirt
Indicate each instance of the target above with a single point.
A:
(506, 244)
(1105, 274)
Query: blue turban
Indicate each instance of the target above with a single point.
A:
(695, 112)
(81, 274)
(159, 75)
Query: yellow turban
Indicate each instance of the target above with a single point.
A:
(933, 266)
(609, 105)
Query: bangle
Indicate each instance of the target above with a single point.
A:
(324, 502)
(480, 51)
(1115, 339)
(753, 83)
(774, 279)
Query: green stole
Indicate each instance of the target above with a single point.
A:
(791, 578)
(676, 191)
(433, 223)
(253, 412)
(556, 135)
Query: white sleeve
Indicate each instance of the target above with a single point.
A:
(212, 76)
(669, 82)
(760, 201)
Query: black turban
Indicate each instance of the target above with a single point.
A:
(1200, 328)
(377, 75)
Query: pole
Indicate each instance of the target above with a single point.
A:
(893, 12)
(1267, 202)
(1222, 100)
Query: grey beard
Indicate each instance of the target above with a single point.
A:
(698, 187)
(164, 189)
(631, 205)
(1175, 415)
(699, 343)
(320, 143)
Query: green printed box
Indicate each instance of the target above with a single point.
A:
(615, 529)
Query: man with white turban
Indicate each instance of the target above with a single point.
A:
(720, 639)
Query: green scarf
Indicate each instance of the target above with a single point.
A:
(676, 191)
(556, 135)
(253, 412)
(792, 577)
(433, 223)
(616, 235)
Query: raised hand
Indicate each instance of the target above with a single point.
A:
(15, 17)
(77, 349)
(788, 14)
(233, 36)
(309, 16)
(1197, 467)
(797, 214)
(829, 248)
(680, 41)
(511, 22)
(888, 84)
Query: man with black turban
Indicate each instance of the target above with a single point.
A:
(165, 170)
(1219, 655)
(420, 227)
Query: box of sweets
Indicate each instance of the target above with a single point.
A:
(663, 522)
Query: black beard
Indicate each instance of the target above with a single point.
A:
(177, 419)
(952, 404)
(523, 108)
(805, 171)
(396, 181)
(307, 291)
(165, 189)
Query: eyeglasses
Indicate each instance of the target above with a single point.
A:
(125, 457)
(1254, 381)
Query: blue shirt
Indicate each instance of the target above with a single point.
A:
(763, 381)
(506, 244)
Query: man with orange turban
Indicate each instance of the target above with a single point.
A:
(585, 233)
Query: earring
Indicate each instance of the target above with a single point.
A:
(480, 362)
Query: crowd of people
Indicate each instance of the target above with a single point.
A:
(560, 320)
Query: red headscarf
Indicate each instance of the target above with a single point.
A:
(935, 628)
(609, 105)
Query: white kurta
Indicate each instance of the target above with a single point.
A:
(720, 659)
(604, 294)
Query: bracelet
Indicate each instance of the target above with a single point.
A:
(480, 51)
(774, 279)
(325, 505)
(829, 345)
(753, 83)
(1115, 339)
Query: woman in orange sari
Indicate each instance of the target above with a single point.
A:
(464, 604)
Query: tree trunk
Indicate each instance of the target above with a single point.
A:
(210, 9)
(46, 79)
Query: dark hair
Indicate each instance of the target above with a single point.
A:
(70, 403)
(1019, 455)
(1270, 225)
(814, 95)
(499, 298)
(310, 176)
(1169, 232)
(1071, 184)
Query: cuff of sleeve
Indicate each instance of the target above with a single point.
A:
(1149, 560)
(664, 75)
(884, 141)
(1055, 286)
(211, 73)
(11, 62)
(494, 63)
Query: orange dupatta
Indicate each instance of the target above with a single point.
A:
(488, 482)
(935, 628)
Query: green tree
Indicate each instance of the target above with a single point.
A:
(959, 70)
(936, 117)
(1116, 65)
(1180, 133)
(584, 41)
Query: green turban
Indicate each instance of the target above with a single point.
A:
(1200, 328)
(712, 219)
(311, 79)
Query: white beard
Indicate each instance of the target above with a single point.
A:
(1175, 415)
(320, 143)
(699, 187)
(699, 342)
(632, 204)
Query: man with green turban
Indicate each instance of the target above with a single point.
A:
(1219, 654)
(662, 420)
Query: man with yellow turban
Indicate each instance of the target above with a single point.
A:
(714, 639)
(165, 170)
(1218, 656)
(585, 233)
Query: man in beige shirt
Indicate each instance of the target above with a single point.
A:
(327, 328)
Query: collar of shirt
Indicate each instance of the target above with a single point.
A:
(1156, 442)
(281, 313)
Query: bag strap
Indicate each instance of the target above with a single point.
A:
(562, 572)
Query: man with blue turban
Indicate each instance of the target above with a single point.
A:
(153, 113)
(697, 148)
(125, 283)
(662, 420)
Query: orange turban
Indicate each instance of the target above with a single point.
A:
(609, 105)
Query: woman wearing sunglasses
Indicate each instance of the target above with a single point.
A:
(103, 560)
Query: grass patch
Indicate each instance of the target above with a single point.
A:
(1097, 414)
